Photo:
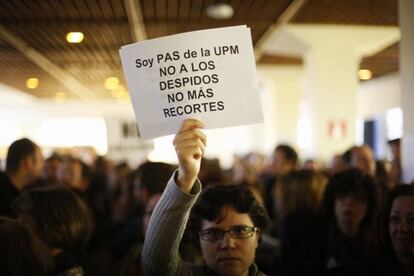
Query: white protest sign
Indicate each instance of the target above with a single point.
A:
(209, 75)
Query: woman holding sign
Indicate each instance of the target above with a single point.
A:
(228, 220)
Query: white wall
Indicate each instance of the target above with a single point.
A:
(16, 116)
(376, 99)
(378, 95)
(285, 90)
(406, 10)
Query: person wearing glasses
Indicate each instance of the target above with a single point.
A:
(227, 218)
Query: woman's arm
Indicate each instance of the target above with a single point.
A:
(167, 224)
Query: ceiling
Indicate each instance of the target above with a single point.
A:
(32, 35)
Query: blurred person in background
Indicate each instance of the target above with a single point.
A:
(337, 164)
(24, 166)
(257, 160)
(130, 264)
(243, 172)
(311, 164)
(284, 160)
(22, 252)
(122, 202)
(211, 172)
(396, 255)
(60, 218)
(51, 169)
(98, 195)
(363, 158)
(298, 198)
(299, 191)
(345, 232)
(138, 192)
(150, 179)
(75, 174)
(102, 178)
(395, 170)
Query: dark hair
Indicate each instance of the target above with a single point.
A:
(347, 155)
(19, 150)
(396, 142)
(351, 182)
(22, 252)
(399, 190)
(215, 197)
(100, 164)
(86, 171)
(300, 190)
(63, 218)
(153, 176)
(289, 153)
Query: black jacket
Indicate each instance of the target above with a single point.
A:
(8, 193)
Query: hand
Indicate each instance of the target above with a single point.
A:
(189, 143)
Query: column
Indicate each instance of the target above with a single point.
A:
(331, 65)
(406, 8)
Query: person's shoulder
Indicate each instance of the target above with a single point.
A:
(4, 179)
(7, 190)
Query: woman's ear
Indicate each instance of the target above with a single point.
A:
(258, 238)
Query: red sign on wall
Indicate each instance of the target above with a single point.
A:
(337, 129)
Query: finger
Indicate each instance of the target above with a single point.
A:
(191, 143)
(191, 124)
(190, 152)
(192, 134)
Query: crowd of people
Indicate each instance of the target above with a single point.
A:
(264, 216)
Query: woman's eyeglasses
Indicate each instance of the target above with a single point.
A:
(235, 232)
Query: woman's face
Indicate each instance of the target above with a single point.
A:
(350, 210)
(229, 256)
(401, 226)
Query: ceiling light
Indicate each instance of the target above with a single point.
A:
(220, 11)
(74, 37)
(119, 92)
(364, 74)
(60, 97)
(111, 83)
(32, 83)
